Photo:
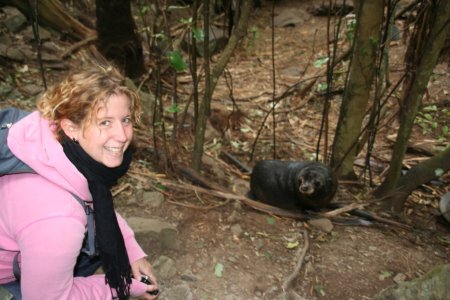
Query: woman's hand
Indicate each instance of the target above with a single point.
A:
(143, 267)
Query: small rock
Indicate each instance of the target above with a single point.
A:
(233, 259)
(188, 276)
(44, 35)
(236, 230)
(323, 224)
(5, 89)
(433, 285)
(178, 292)
(258, 244)
(154, 199)
(400, 277)
(233, 217)
(240, 186)
(16, 20)
(144, 225)
(169, 238)
(165, 267)
(31, 89)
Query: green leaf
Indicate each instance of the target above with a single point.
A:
(270, 220)
(320, 62)
(218, 270)
(385, 274)
(198, 34)
(174, 108)
(319, 290)
(144, 10)
(438, 172)
(428, 117)
(176, 61)
(160, 36)
(292, 245)
(255, 31)
(430, 108)
(186, 21)
(322, 87)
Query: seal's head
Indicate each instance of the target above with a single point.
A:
(316, 183)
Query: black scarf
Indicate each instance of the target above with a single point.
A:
(109, 239)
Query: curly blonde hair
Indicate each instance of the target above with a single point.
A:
(79, 96)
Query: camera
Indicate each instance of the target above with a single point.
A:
(145, 279)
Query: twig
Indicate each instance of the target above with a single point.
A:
(120, 189)
(344, 209)
(199, 207)
(78, 45)
(301, 257)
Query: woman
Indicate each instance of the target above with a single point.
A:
(78, 144)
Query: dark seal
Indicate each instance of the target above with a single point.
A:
(293, 184)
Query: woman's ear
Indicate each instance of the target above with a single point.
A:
(70, 129)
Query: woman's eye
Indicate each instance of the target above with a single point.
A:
(105, 123)
(127, 120)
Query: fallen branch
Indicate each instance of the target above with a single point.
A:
(301, 257)
(344, 209)
(228, 195)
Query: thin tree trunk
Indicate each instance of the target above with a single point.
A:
(205, 104)
(358, 87)
(204, 108)
(424, 60)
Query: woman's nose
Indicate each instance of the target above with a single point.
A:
(120, 133)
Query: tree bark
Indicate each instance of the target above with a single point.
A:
(424, 59)
(117, 38)
(53, 14)
(358, 87)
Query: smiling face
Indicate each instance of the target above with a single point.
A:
(106, 137)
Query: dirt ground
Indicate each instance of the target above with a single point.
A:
(227, 249)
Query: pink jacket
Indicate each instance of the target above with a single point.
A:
(42, 220)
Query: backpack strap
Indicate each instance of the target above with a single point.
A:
(16, 267)
(89, 242)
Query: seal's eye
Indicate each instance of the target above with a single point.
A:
(316, 184)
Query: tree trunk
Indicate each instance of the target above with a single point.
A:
(358, 87)
(117, 36)
(424, 59)
(204, 109)
(421, 173)
(53, 14)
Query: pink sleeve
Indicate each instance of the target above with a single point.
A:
(135, 251)
(47, 267)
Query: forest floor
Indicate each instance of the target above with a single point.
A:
(228, 250)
